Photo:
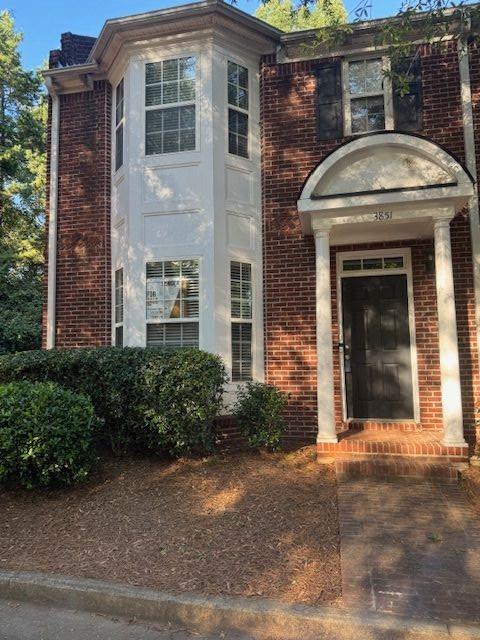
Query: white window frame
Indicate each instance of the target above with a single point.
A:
(240, 320)
(173, 55)
(239, 109)
(198, 319)
(347, 96)
(118, 125)
(406, 254)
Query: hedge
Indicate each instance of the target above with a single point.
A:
(46, 434)
(162, 400)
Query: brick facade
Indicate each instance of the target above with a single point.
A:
(83, 295)
(291, 151)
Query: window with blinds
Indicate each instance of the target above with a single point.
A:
(170, 106)
(119, 308)
(241, 320)
(237, 83)
(119, 123)
(173, 301)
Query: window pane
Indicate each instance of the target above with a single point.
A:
(173, 289)
(376, 114)
(352, 265)
(359, 115)
(119, 336)
(241, 351)
(187, 68)
(233, 94)
(119, 147)
(393, 263)
(119, 296)
(176, 129)
(242, 99)
(232, 73)
(243, 77)
(356, 77)
(374, 76)
(173, 335)
(170, 70)
(170, 92)
(372, 263)
(187, 90)
(153, 72)
(241, 290)
(238, 133)
(119, 103)
(153, 95)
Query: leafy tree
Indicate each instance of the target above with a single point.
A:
(23, 114)
(286, 16)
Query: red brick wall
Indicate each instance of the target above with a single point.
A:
(83, 297)
(290, 152)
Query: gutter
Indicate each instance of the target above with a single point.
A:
(52, 215)
(471, 164)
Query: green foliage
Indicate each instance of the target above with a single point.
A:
(23, 116)
(164, 401)
(258, 412)
(287, 16)
(46, 435)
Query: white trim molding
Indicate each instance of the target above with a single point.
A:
(52, 216)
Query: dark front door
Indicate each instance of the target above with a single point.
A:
(378, 368)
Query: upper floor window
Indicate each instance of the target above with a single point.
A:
(170, 106)
(237, 78)
(173, 290)
(367, 96)
(119, 123)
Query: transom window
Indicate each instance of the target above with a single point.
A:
(238, 98)
(172, 307)
(241, 313)
(119, 123)
(170, 106)
(367, 99)
(370, 264)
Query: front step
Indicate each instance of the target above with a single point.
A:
(424, 445)
(393, 467)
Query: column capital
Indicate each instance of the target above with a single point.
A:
(322, 230)
(442, 221)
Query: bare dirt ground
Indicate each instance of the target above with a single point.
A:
(245, 524)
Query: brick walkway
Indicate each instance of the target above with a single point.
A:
(410, 548)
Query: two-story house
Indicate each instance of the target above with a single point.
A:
(214, 182)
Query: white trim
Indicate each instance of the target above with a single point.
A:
(52, 217)
(471, 163)
(406, 253)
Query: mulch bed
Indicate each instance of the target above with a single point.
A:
(247, 524)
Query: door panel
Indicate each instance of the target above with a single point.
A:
(377, 342)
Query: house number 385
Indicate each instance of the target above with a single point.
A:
(381, 216)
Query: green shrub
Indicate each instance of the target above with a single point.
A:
(162, 400)
(258, 412)
(46, 434)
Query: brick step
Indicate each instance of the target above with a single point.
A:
(416, 445)
(394, 467)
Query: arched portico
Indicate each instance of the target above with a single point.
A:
(377, 188)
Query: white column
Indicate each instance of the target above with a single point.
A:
(325, 392)
(447, 331)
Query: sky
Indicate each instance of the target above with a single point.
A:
(43, 22)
